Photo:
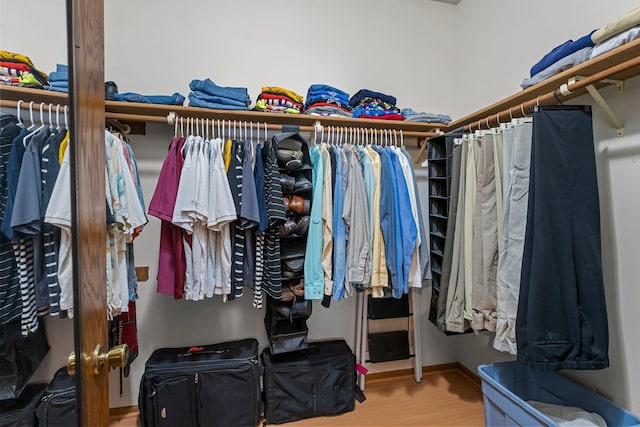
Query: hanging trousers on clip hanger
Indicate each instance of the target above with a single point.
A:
(562, 318)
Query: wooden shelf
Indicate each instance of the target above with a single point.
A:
(135, 112)
(607, 60)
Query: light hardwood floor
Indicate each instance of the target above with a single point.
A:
(443, 398)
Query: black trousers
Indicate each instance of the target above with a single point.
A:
(562, 315)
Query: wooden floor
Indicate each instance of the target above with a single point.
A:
(443, 398)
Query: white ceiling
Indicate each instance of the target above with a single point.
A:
(448, 1)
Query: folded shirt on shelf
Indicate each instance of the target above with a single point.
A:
(559, 66)
(626, 21)
(325, 93)
(15, 65)
(275, 99)
(413, 116)
(216, 99)
(277, 90)
(559, 52)
(261, 105)
(328, 109)
(61, 74)
(279, 100)
(616, 41)
(360, 96)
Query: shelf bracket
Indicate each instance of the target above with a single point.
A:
(597, 97)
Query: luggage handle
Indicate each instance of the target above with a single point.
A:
(200, 350)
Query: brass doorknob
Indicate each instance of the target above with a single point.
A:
(115, 358)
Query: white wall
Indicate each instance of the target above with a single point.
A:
(380, 45)
(495, 55)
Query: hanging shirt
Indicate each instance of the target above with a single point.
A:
(249, 216)
(234, 175)
(222, 212)
(171, 261)
(369, 188)
(261, 228)
(327, 221)
(339, 230)
(355, 213)
(313, 269)
(59, 214)
(10, 302)
(379, 272)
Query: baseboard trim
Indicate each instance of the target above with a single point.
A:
(123, 410)
(427, 370)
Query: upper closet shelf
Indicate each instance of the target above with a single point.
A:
(134, 112)
(600, 64)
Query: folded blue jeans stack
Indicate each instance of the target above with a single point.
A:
(59, 79)
(206, 94)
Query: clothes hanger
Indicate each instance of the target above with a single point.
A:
(175, 128)
(58, 116)
(34, 131)
(33, 124)
(18, 113)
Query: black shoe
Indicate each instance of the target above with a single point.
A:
(110, 89)
(302, 183)
(288, 183)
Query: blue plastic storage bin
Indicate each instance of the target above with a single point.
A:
(507, 386)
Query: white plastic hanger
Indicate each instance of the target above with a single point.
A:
(18, 112)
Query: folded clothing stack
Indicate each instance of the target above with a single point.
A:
(623, 30)
(18, 70)
(374, 105)
(325, 100)
(275, 99)
(562, 57)
(112, 94)
(206, 94)
(59, 79)
(414, 116)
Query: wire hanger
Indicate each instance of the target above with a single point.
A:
(18, 113)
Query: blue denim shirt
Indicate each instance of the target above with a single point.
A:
(408, 231)
(339, 230)
(313, 270)
(388, 216)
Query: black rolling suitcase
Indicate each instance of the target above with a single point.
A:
(211, 385)
(59, 405)
(320, 380)
(21, 411)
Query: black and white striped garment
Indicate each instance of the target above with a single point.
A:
(10, 301)
(272, 275)
(24, 258)
(258, 173)
(234, 175)
(49, 168)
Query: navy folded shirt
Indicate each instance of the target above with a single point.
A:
(560, 51)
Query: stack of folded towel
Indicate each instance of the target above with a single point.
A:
(414, 116)
(276, 99)
(325, 100)
(206, 94)
(18, 70)
(374, 105)
(59, 79)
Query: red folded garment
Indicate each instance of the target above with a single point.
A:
(15, 65)
(390, 116)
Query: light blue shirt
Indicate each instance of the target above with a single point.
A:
(369, 187)
(339, 230)
(313, 271)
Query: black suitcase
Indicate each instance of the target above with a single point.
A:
(59, 406)
(211, 385)
(320, 380)
(21, 411)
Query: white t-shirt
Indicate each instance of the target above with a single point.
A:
(59, 214)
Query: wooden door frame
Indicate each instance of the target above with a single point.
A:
(85, 37)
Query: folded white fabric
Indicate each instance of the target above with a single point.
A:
(568, 415)
(614, 42)
(626, 21)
